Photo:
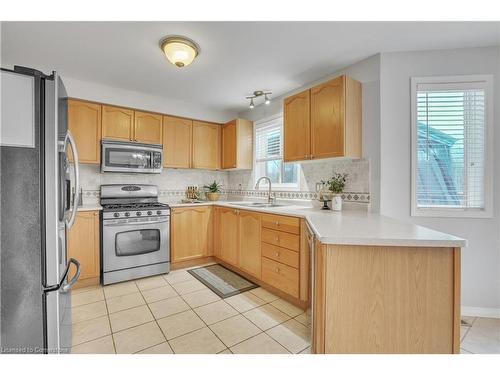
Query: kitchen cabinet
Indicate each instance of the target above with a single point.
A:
(83, 245)
(237, 145)
(147, 127)
(228, 235)
(117, 123)
(324, 122)
(205, 145)
(177, 134)
(192, 231)
(249, 242)
(84, 123)
(296, 127)
(386, 299)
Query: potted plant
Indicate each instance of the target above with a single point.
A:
(336, 185)
(214, 190)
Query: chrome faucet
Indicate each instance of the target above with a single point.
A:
(270, 197)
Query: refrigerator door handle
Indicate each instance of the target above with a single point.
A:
(76, 197)
(72, 282)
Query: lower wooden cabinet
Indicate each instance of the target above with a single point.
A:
(278, 257)
(191, 233)
(228, 236)
(83, 245)
(281, 276)
(249, 242)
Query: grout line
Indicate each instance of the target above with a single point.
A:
(154, 318)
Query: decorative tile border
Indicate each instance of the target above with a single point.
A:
(304, 195)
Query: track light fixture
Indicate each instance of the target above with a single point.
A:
(258, 93)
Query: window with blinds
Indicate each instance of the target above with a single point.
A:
(449, 145)
(269, 156)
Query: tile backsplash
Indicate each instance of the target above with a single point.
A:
(173, 182)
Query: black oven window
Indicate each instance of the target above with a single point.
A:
(136, 242)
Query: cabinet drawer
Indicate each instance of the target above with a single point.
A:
(281, 276)
(282, 223)
(282, 239)
(280, 254)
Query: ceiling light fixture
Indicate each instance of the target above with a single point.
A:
(258, 93)
(179, 50)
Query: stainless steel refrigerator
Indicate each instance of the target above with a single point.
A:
(36, 213)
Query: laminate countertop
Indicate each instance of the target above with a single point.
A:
(353, 227)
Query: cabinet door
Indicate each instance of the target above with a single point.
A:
(229, 145)
(249, 242)
(147, 127)
(327, 119)
(191, 233)
(297, 127)
(84, 123)
(205, 145)
(117, 123)
(83, 245)
(228, 235)
(177, 142)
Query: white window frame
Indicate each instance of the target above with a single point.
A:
(485, 81)
(275, 186)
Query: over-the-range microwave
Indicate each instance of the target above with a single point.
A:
(130, 157)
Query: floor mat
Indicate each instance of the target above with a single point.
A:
(223, 282)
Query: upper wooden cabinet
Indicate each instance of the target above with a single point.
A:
(192, 231)
(117, 123)
(147, 127)
(177, 142)
(84, 123)
(205, 145)
(324, 122)
(83, 245)
(237, 141)
(296, 127)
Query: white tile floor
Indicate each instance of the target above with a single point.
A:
(175, 313)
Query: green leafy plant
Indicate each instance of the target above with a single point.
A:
(337, 182)
(214, 187)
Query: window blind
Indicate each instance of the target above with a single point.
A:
(268, 145)
(450, 146)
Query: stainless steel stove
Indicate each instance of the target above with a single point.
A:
(135, 231)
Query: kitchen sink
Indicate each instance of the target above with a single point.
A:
(257, 204)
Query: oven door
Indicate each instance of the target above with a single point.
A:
(129, 243)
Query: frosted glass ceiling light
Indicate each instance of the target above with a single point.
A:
(179, 50)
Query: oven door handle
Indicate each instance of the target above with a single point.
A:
(135, 223)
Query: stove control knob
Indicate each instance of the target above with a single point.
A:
(150, 213)
(158, 212)
(138, 213)
(127, 214)
(116, 214)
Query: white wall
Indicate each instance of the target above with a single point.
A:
(114, 95)
(481, 259)
(368, 73)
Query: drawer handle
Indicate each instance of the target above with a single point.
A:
(276, 254)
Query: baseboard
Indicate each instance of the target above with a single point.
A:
(483, 312)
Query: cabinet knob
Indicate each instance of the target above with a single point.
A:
(277, 239)
(277, 223)
(276, 254)
(277, 270)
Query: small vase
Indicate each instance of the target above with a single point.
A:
(337, 203)
(212, 196)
